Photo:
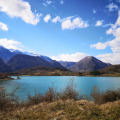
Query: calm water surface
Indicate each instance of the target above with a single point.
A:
(40, 84)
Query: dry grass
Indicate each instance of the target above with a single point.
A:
(66, 110)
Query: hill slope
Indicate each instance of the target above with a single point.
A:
(4, 67)
(89, 63)
(19, 62)
(25, 61)
(56, 64)
(113, 70)
(44, 71)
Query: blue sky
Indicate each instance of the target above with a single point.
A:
(62, 29)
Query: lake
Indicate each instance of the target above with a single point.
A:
(40, 84)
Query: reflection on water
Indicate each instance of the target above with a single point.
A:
(40, 84)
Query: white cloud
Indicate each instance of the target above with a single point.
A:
(47, 18)
(45, 4)
(113, 44)
(99, 45)
(56, 19)
(115, 31)
(99, 23)
(77, 22)
(10, 44)
(21, 9)
(113, 58)
(3, 26)
(61, 2)
(94, 11)
(48, 2)
(112, 7)
(70, 57)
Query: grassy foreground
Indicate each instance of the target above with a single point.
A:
(66, 110)
(64, 105)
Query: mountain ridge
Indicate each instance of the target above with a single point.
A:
(87, 64)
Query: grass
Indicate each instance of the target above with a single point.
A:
(66, 110)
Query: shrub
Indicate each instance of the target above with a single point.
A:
(36, 99)
(96, 94)
(69, 92)
(104, 97)
(7, 101)
(110, 96)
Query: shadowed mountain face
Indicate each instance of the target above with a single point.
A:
(19, 62)
(25, 61)
(4, 67)
(89, 63)
(56, 64)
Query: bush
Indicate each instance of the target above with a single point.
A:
(110, 96)
(7, 101)
(104, 97)
(96, 95)
(36, 99)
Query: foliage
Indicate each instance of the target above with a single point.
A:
(95, 73)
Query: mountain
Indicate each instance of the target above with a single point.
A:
(25, 61)
(19, 62)
(46, 58)
(56, 64)
(67, 64)
(88, 63)
(5, 54)
(4, 67)
(15, 52)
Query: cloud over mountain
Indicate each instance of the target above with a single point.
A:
(70, 57)
(10, 44)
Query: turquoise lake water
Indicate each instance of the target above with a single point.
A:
(40, 84)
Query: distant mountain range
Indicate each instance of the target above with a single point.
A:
(67, 64)
(7, 54)
(13, 60)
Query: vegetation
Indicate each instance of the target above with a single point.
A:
(113, 70)
(110, 71)
(104, 97)
(67, 104)
(4, 76)
(45, 71)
